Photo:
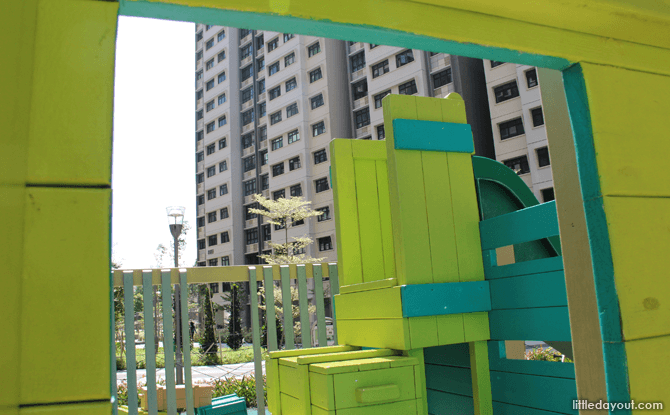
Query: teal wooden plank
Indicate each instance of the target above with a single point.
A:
(535, 290)
(186, 342)
(500, 408)
(168, 343)
(449, 379)
(129, 327)
(149, 342)
(334, 290)
(539, 392)
(500, 363)
(303, 305)
(445, 298)
(270, 318)
(287, 306)
(450, 355)
(550, 323)
(524, 268)
(320, 307)
(442, 403)
(432, 136)
(256, 340)
(525, 225)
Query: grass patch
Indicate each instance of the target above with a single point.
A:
(223, 357)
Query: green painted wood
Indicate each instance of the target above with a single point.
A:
(500, 408)
(320, 306)
(372, 254)
(334, 290)
(550, 323)
(432, 136)
(168, 343)
(287, 306)
(149, 342)
(528, 291)
(129, 326)
(303, 305)
(442, 403)
(481, 381)
(385, 218)
(537, 266)
(420, 300)
(539, 392)
(525, 225)
(256, 340)
(186, 341)
(457, 355)
(270, 317)
(500, 363)
(449, 379)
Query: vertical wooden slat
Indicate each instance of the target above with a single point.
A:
(256, 340)
(304, 307)
(131, 364)
(320, 308)
(287, 305)
(149, 342)
(334, 290)
(270, 318)
(168, 345)
(112, 329)
(481, 378)
(186, 342)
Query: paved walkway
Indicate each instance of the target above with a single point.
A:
(201, 373)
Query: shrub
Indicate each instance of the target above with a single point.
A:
(244, 388)
(208, 343)
(235, 337)
(547, 355)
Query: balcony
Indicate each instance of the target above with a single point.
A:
(246, 82)
(200, 167)
(357, 75)
(198, 84)
(201, 210)
(249, 150)
(260, 52)
(248, 249)
(199, 124)
(263, 144)
(363, 132)
(264, 169)
(360, 103)
(201, 230)
(356, 47)
(440, 61)
(244, 62)
(247, 105)
(248, 127)
(249, 174)
(200, 188)
(245, 39)
(261, 97)
(200, 145)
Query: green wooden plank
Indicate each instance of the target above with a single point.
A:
(303, 305)
(440, 403)
(500, 408)
(525, 268)
(168, 343)
(313, 350)
(186, 342)
(369, 225)
(500, 363)
(447, 298)
(449, 379)
(341, 356)
(525, 225)
(287, 306)
(256, 340)
(374, 304)
(539, 392)
(270, 317)
(550, 323)
(334, 290)
(433, 136)
(385, 217)
(536, 290)
(320, 306)
(129, 326)
(368, 286)
(149, 342)
(450, 355)
(481, 381)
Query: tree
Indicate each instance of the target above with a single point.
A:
(235, 336)
(208, 344)
(285, 213)
(279, 314)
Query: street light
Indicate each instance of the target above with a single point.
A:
(176, 221)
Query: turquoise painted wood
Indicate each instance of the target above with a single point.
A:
(129, 326)
(270, 318)
(531, 391)
(287, 306)
(524, 268)
(149, 342)
(525, 225)
(549, 323)
(168, 344)
(449, 379)
(445, 298)
(442, 403)
(450, 355)
(303, 306)
(499, 363)
(320, 306)
(432, 136)
(256, 339)
(528, 291)
(500, 408)
(186, 342)
(334, 290)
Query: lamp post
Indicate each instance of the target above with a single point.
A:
(176, 221)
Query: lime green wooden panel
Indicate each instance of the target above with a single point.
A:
(384, 303)
(290, 382)
(347, 384)
(367, 286)
(481, 379)
(450, 329)
(9, 410)
(97, 408)
(376, 394)
(391, 333)
(647, 375)
(321, 391)
(385, 217)
(290, 405)
(335, 357)
(453, 109)
(476, 326)
(70, 139)
(423, 332)
(420, 381)
(368, 150)
(312, 350)
(272, 384)
(402, 407)
(320, 411)
(372, 254)
(66, 244)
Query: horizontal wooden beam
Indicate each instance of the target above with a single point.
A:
(432, 136)
(421, 300)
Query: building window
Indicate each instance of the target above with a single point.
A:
(403, 58)
(267, 235)
(221, 56)
(273, 69)
(246, 51)
(442, 78)
(408, 88)
(200, 156)
(263, 133)
(325, 215)
(278, 169)
(201, 219)
(225, 238)
(211, 171)
(293, 164)
(289, 59)
(199, 115)
(360, 89)
(325, 244)
(288, 36)
(223, 189)
(507, 91)
(543, 157)
(210, 127)
(275, 92)
(209, 44)
(247, 72)
(372, 46)
(381, 133)
(221, 77)
(198, 75)
(222, 143)
(261, 110)
(321, 185)
(380, 97)
(293, 136)
(320, 156)
(357, 61)
(538, 118)
(198, 94)
(315, 75)
(511, 128)
(296, 190)
(199, 135)
(313, 49)
(265, 181)
(252, 236)
(244, 33)
(316, 101)
(518, 164)
(318, 128)
(222, 121)
(200, 200)
(212, 263)
(273, 44)
(531, 78)
(248, 117)
(223, 213)
(291, 84)
(214, 286)
(547, 194)
(209, 65)
(225, 261)
(247, 94)
(496, 63)
(362, 117)
(249, 163)
(210, 84)
(198, 37)
(250, 187)
(211, 194)
(201, 244)
(211, 217)
(263, 155)
(277, 143)
(291, 110)
(222, 99)
(260, 42)
(200, 178)
(260, 65)
(275, 118)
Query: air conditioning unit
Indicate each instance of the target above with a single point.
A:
(210, 252)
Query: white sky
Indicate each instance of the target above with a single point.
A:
(154, 137)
